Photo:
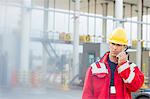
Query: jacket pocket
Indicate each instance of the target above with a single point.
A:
(99, 83)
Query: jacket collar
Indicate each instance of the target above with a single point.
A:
(105, 58)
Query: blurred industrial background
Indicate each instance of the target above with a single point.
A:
(46, 46)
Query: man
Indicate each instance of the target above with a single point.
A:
(113, 76)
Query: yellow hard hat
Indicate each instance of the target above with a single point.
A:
(118, 36)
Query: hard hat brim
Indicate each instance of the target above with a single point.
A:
(116, 42)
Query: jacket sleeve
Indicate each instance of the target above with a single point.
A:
(131, 75)
(88, 89)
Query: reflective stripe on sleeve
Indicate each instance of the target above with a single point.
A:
(123, 67)
(131, 77)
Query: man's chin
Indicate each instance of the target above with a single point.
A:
(113, 55)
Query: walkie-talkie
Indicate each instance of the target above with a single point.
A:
(126, 51)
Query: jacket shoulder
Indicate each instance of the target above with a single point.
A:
(98, 67)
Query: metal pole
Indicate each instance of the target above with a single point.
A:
(119, 12)
(69, 16)
(88, 17)
(104, 26)
(113, 14)
(95, 21)
(45, 34)
(54, 16)
(76, 39)
(124, 14)
(139, 35)
(131, 8)
(25, 36)
(25, 30)
(45, 23)
(146, 27)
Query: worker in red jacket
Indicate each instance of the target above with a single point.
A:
(113, 76)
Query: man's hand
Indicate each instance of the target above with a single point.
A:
(122, 58)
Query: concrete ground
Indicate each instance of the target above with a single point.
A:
(39, 93)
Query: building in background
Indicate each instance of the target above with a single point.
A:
(37, 38)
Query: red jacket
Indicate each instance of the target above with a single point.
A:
(127, 78)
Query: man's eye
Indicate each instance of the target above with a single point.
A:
(113, 43)
(119, 45)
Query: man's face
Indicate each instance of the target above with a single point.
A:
(115, 49)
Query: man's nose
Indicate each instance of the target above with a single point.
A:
(114, 46)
